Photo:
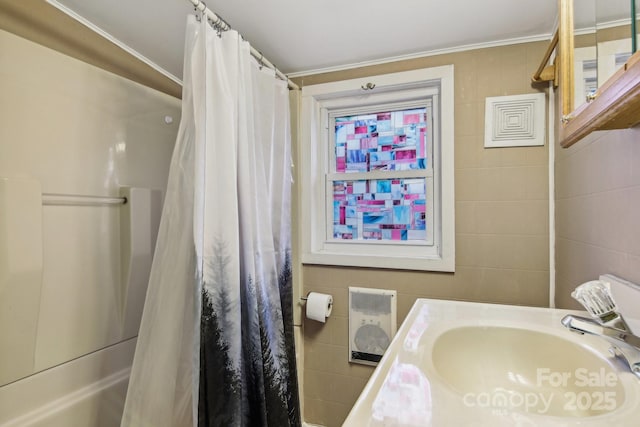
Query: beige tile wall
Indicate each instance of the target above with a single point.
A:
(597, 210)
(501, 226)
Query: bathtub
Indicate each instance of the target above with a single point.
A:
(85, 392)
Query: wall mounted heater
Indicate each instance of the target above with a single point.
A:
(372, 323)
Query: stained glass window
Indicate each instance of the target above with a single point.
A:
(379, 209)
(392, 140)
(385, 146)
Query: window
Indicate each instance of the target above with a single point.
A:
(377, 169)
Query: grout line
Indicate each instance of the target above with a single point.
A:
(591, 245)
(600, 192)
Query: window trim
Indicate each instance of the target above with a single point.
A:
(321, 100)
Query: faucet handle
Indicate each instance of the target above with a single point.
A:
(596, 298)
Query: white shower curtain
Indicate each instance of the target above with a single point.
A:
(215, 346)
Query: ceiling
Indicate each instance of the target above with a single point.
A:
(301, 36)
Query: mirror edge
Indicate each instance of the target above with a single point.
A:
(616, 106)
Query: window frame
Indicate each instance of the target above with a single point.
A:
(320, 103)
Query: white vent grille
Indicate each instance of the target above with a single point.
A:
(515, 121)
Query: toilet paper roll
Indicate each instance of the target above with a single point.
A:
(319, 306)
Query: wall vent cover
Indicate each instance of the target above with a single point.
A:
(515, 121)
(372, 323)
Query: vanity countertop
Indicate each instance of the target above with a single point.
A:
(458, 363)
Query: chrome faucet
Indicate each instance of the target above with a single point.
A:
(606, 323)
(623, 343)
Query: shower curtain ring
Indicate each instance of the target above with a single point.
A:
(217, 25)
(200, 13)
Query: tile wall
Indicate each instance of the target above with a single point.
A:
(502, 244)
(597, 210)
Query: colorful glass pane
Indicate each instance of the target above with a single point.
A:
(379, 209)
(394, 140)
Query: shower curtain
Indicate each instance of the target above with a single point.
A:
(215, 346)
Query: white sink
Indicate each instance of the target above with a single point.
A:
(460, 364)
(533, 372)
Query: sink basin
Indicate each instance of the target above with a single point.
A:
(455, 363)
(525, 370)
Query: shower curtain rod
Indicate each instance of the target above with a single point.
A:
(201, 6)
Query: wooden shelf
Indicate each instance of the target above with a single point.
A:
(616, 106)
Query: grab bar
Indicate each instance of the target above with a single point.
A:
(51, 199)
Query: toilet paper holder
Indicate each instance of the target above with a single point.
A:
(307, 297)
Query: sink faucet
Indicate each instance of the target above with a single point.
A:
(623, 343)
(606, 323)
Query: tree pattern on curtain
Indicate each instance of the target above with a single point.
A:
(247, 357)
(263, 391)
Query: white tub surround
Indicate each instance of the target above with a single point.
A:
(74, 258)
(88, 391)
